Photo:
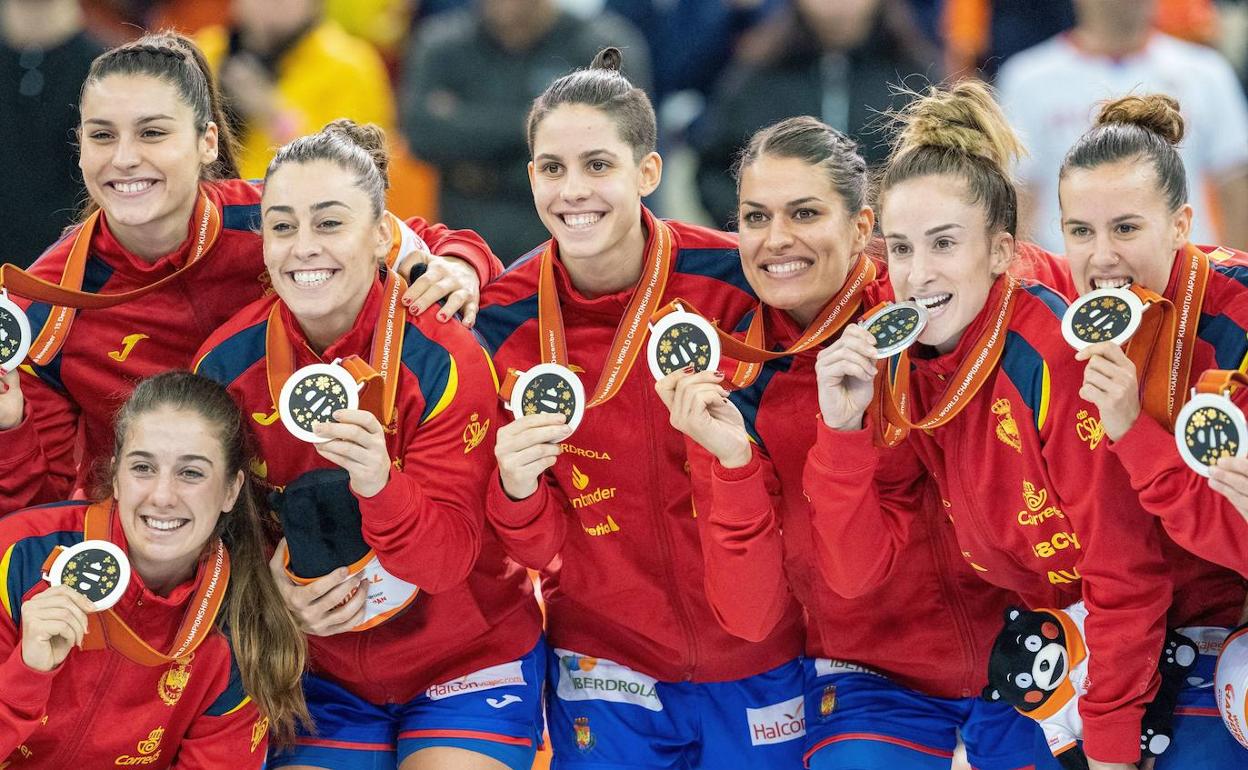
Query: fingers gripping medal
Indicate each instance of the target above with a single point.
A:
(312, 394)
(681, 339)
(15, 334)
(97, 569)
(549, 389)
(895, 327)
(1210, 426)
(1104, 315)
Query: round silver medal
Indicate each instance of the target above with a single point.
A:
(549, 389)
(895, 327)
(15, 335)
(312, 394)
(679, 340)
(97, 569)
(1208, 428)
(1104, 315)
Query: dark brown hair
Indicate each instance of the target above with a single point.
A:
(604, 87)
(1136, 128)
(358, 149)
(816, 144)
(268, 646)
(958, 131)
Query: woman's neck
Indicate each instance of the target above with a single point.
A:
(153, 240)
(615, 270)
(162, 579)
(328, 329)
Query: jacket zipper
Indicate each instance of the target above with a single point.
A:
(69, 749)
(949, 589)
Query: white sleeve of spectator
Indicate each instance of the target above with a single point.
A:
(1227, 136)
(1012, 93)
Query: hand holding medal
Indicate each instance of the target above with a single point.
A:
(681, 340)
(312, 395)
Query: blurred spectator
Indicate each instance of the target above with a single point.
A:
(44, 57)
(286, 70)
(836, 61)
(384, 23)
(980, 34)
(696, 38)
(1050, 93)
(469, 78)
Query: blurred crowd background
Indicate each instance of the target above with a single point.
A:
(451, 81)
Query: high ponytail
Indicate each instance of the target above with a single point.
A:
(1136, 128)
(962, 132)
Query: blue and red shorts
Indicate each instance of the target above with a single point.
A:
(496, 711)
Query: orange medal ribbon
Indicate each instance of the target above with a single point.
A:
(751, 352)
(626, 345)
(890, 406)
(108, 629)
(1162, 347)
(67, 296)
(1221, 381)
(379, 375)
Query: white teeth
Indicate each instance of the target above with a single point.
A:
(934, 301)
(311, 277)
(788, 268)
(1111, 283)
(163, 524)
(132, 187)
(576, 221)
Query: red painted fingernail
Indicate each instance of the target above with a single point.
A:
(407, 302)
(442, 317)
(4, 385)
(688, 369)
(719, 373)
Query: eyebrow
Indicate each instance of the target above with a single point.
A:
(790, 204)
(315, 207)
(1114, 221)
(932, 231)
(583, 156)
(140, 121)
(181, 458)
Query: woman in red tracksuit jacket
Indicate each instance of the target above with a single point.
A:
(157, 160)
(915, 647)
(642, 674)
(223, 658)
(1126, 218)
(990, 393)
(457, 675)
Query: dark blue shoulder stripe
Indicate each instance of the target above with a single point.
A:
(1237, 273)
(749, 399)
(25, 565)
(1026, 368)
(496, 323)
(233, 356)
(431, 363)
(233, 695)
(242, 216)
(720, 264)
(1050, 298)
(523, 259)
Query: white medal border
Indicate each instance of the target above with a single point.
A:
(679, 316)
(333, 370)
(1068, 318)
(564, 373)
(123, 576)
(23, 325)
(906, 341)
(1222, 404)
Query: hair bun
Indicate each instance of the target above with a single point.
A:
(1157, 113)
(964, 118)
(609, 58)
(369, 137)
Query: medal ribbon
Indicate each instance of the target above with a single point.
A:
(626, 345)
(379, 375)
(1162, 348)
(890, 407)
(67, 297)
(751, 352)
(1221, 381)
(108, 629)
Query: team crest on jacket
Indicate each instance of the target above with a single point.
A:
(827, 701)
(258, 731)
(1007, 428)
(1089, 429)
(585, 739)
(474, 433)
(174, 681)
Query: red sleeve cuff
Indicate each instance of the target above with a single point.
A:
(845, 452)
(396, 500)
(1112, 738)
(1146, 451)
(25, 688)
(739, 494)
(514, 514)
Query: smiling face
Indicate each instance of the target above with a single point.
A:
(940, 253)
(1118, 227)
(587, 185)
(141, 155)
(322, 245)
(797, 241)
(171, 484)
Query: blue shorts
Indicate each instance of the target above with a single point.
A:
(605, 715)
(496, 711)
(1201, 740)
(860, 720)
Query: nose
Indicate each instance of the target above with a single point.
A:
(163, 491)
(307, 244)
(779, 237)
(920, 270)
(574, 186)
(1104, 253)
(126, 153)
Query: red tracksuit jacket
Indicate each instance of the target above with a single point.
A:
(70, 403)
(616, 506)
(928, 626)
(1037, 503)
(1198, 518)
(98, 708)
(426, 525)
